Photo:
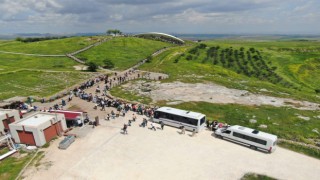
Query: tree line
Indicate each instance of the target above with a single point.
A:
(36, 39)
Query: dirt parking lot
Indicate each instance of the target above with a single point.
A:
(104, 153)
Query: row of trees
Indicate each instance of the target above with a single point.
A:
(243, 61)
(114, 32)
(93, 66)
(36, 39)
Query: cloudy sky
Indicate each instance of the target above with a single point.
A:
(169, 16)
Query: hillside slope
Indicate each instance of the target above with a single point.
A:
(124, 52)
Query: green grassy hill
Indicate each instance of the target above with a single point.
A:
(56, 46)
(20, 75)
(123, 52)
(247, 65)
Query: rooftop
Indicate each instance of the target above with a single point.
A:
(254, 132)
(4, 111)
(36, 119)
(181, 112)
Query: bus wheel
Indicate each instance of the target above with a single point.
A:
(253, 147)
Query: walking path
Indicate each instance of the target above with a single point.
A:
(72, 55)
(39, 55)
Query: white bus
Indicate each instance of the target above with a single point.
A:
(177, 118)
(254, 138)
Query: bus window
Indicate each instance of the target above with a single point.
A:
(227, 132)
(202, 120)
(156, 115)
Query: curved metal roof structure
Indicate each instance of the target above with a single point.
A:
(160, 35)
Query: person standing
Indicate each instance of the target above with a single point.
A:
(145, 121)
(183, 130)
(107, 117)
(134, 117)
(113, 114)
(162, 125)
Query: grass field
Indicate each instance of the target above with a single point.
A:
(124, 52)
(301, 149)
(56, 46)
(11, 166)
(253, 176)
(283, 121)
(10, 62)
(37, 83)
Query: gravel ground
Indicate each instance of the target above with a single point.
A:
(213, 93)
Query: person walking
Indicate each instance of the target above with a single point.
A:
(125, 129)
(193, 133)
(183, 130)
(102, 105)
(152, 126)
(162, 125)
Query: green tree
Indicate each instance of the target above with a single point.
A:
(202, 46)
(92, 66)
(114, 32)
(19, 39)
(149, 59)
(108, 64)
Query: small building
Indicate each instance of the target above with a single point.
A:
(38, 129)
(8, 116)
(73, 118)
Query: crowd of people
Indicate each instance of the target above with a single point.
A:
(100, 100)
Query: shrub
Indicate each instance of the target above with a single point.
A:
(108, 64)
(92, 66)
(189, 57)
(202, 46)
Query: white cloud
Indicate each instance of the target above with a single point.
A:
(161, 15)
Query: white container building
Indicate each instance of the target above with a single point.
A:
(38, 129)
